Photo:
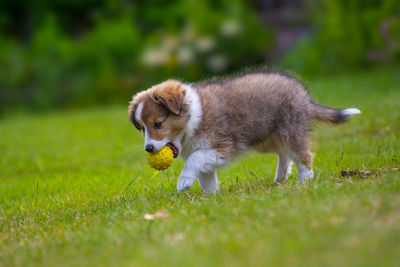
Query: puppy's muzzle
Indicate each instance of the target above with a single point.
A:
(149, 148)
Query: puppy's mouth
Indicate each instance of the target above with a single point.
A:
(174, 149)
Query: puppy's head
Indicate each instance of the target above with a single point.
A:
(161, 114)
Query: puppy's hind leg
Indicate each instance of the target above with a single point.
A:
(283, 168)
(303, 158)
(305, 170)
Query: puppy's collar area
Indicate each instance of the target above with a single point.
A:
(192, 98)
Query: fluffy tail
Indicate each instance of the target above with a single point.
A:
(332, 115)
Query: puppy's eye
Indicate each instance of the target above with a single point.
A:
(157, 125)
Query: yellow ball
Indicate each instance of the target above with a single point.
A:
(162, 159)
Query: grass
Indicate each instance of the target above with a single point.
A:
(74, 187)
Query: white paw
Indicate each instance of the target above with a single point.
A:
(210, 190)
(185, 182)
(209, 187)
(305, 175)
(209, 182)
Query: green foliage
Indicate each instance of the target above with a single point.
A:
(75, 187)
(117, 49)
(76, 53)
(348, 34)
(53, 61)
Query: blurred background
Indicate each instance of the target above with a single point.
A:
(77, 53)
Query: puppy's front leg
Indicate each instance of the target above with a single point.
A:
(186, 181)
(198, 163)
(209, 182)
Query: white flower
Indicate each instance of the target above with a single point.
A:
(205, 44)
(185, 55)
(154, 57)
(217, 63)
(231, 28)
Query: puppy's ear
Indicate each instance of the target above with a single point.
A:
(170, 94)
(132, 111)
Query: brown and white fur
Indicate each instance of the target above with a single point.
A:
(209, 123)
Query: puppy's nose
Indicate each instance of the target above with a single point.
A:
(149, 148)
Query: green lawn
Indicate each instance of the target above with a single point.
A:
(74, 187)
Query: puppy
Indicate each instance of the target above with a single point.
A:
(211, 122)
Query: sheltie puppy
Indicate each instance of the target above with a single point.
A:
(210, 122)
